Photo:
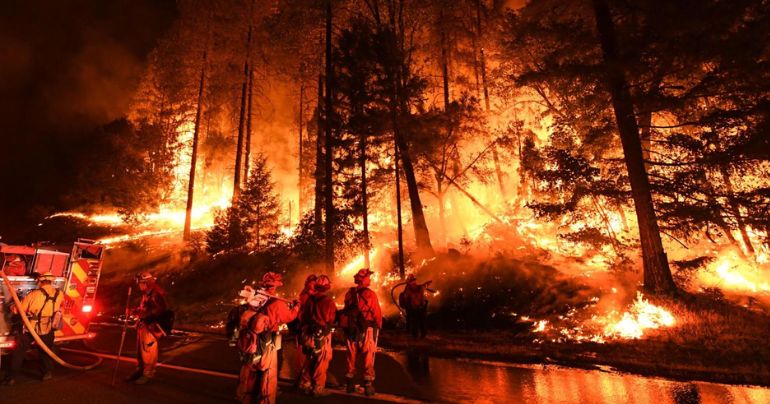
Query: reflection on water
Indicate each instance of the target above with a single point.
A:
(447, 380)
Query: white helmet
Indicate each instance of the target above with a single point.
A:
(258, 300)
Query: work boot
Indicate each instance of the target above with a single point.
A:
(320, 392)
(134, 376)
(351, 388)
(306, 389)
(368, 389)
(47, 376)
(142, 380)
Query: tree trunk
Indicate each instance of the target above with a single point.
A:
(319, 167)
(444, 58)
(241, 124)
(645, 123)
(364, 196)
(329, 151)
(657, 275)
(398, 105)
(247, 160)
(194, 157)
(485, 87)
(421, 233)
(441, 196)
(401, 266)
(301, 160)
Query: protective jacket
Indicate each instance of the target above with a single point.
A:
(363, 301)
(40, 305)
(413, 297)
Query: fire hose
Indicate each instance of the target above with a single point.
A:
(393, 297)
(36, 337)
(395, 301)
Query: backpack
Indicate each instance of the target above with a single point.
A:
(251, 345)
(353, 320)
(55, 321)
(247, 338)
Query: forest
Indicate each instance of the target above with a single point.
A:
(576, 171)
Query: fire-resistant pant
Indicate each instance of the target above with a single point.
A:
(365, 347)
(314, 373)
(300, 356)
(260, 384)
(415, 321)
(23, 342)
(146, 350)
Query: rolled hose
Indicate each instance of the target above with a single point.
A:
(36, 337)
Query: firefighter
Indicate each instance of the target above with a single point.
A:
(263, 329)
(41, 307)
(153, 314)
(316, 322)
(307, 291)
(414, 302)
(15, 266)
(361, 319)
(255, 301)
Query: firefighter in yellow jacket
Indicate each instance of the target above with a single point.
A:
(41, 307)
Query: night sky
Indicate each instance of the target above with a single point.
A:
(66, 68)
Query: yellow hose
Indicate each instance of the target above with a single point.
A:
(36, 337)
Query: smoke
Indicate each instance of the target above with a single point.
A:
(67, 67)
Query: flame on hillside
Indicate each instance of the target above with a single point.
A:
(638, 321)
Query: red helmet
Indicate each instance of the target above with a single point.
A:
(322, 284)
(362, 274)
(272, 280)
(310, 279)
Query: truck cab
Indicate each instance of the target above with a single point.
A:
(76, 267)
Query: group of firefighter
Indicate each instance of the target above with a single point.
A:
(255, 328)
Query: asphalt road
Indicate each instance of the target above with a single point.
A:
(180, 386)
(401, 377)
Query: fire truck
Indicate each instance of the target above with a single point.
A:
(77, 276)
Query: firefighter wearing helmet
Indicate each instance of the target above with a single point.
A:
(361, 319)
(307, 292)
(42, 307)
(414, 302)
(155, 321)
(260, 341)
(316, 322)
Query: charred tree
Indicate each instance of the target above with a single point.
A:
(657, 274)
(194, 155)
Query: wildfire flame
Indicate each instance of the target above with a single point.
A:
(642, 316)
(635, 323)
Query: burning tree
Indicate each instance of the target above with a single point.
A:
(257, 213)
(577, 60)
